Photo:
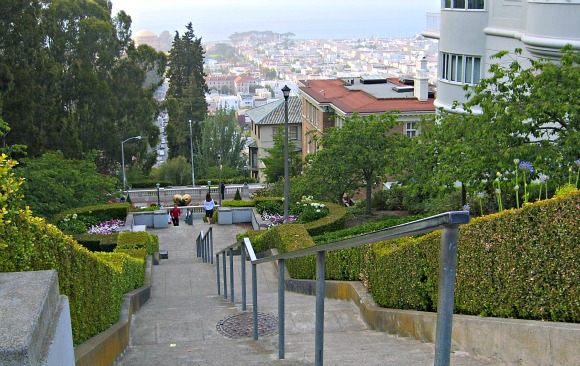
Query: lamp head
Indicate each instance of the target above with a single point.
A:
(286, 91)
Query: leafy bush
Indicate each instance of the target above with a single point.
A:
(72, 225)
(388, 199)
(238, 196)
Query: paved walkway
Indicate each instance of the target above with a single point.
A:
(177, 326)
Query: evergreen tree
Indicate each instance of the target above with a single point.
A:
(186, 94)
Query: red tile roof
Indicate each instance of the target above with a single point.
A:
(333, 92)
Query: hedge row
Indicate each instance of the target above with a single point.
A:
(138, 240)
(97, 242)
(93, 285)
(109, 211)
(520, 263)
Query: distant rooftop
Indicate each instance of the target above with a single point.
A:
(366, 94)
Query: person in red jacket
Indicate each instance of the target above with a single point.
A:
(175, 213)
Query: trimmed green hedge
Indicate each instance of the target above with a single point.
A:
(97, 242)
(520, 263)
(90, 283)
(516, 264)
(100, 213)
(138, 240)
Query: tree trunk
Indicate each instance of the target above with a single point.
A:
(369, 195)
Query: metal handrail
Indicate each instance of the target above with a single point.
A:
(449, 222)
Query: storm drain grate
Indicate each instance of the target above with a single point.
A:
(242, 325)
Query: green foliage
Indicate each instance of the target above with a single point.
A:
(93, 215)
(383, 223)
(55, 184)
(220, 135)
(366, 152)
(28, 243)
(89, 73)
(565, 189)
(176, 171)
(71, 225)
(388, 199)
(138, 240)
(185, 98)
(273, 207)
(530, 112)
(97, 242)
(274, 162)
(238, 196)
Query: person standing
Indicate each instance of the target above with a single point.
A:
(175, 213)
(209, 206)
(223, 190)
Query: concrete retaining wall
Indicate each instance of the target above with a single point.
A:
(531, 343)
(35, 320)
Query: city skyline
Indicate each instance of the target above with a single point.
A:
(217, 20)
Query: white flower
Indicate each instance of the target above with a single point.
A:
(317, 210)
(74, 216)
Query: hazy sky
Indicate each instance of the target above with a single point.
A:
(217, 19)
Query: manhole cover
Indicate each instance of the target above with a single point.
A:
(242, 325)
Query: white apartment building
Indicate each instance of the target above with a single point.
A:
(473, 30)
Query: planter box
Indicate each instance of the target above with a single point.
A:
(225, 215)
(242, 215)
(144, 218)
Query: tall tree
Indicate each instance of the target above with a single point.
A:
(78, 81)
(365, 148)
(220, 134)
(186, 94)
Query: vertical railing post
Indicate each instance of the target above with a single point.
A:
(255, 300)
(281, 267)
(217, 261)
(198, 244)
(445, 300)
(319, 331)
(243, 269)
(211, 244)
(225, 275)
(231, 274)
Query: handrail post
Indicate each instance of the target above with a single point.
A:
(231, 275)
(211, 244)
(197, 244)
(217, 262)
(281, 267)
(319, 331)
(243, 265)
(445, 300)
(225, 276)
(255, 300)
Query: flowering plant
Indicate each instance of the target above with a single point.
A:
(71, 224)
(106, 227)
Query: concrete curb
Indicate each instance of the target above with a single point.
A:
(104, 348)
(509, 340)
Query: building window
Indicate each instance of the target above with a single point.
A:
(460, 68)
(411, 129)
(293, 133)
(464, 4)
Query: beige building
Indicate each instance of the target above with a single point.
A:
(265, 122)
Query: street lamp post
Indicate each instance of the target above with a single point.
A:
(219, 157)
(286, 91)
(123, 159)
(158, 196)
(191, 145)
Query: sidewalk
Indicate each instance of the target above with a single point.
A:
(178, 325)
